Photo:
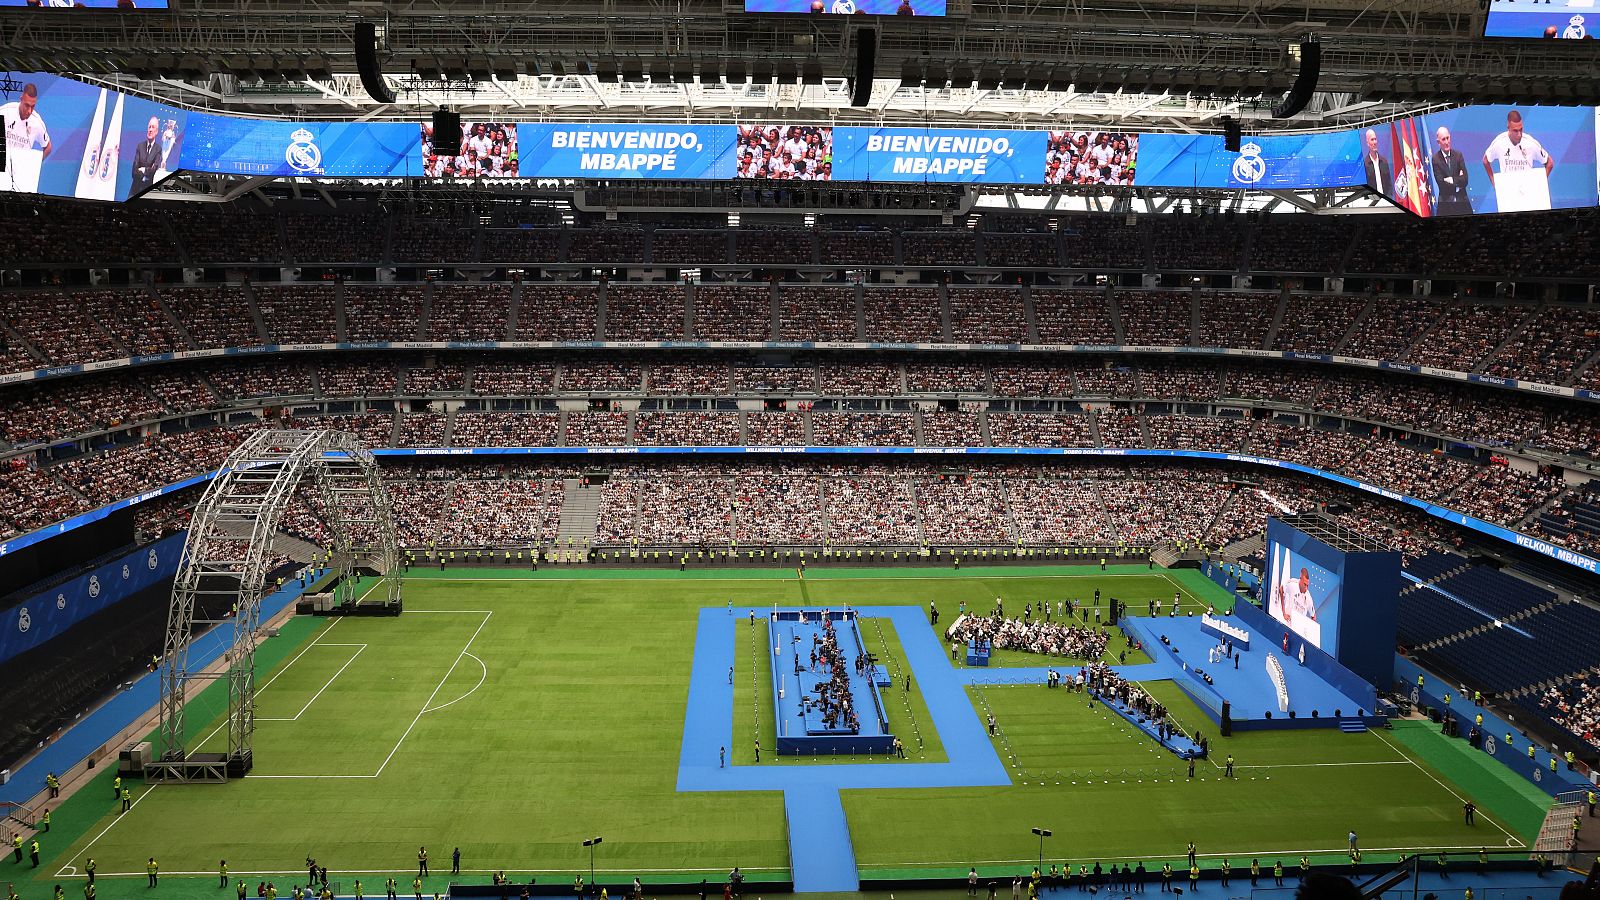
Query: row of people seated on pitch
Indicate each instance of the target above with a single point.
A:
(1035, 636)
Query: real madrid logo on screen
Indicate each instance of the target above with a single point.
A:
(302, 154)
(151, 561)
(126, 572)
(61, 601)
(94, 585)
(24, 621)
(1488, 746)
(1249, 168)
(1575, 30)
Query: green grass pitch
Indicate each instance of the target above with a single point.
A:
(514, 715)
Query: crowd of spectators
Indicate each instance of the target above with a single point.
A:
(906, 315)
(641, 312)
(382, 314)
(299, 314)
(1575, 705)
(686, 429)
(668, 247)
(939, 247)
(816, 313)
(606, 245)
(774, 246)
(1236, 319)
(1316, 323)
(1033, 249)
(476, 429)
(57, 325)
(213, 316)
(1073, 317)
(553, 312)
(733, 312)
(987, 316)
(1156, 318)
(426, 239)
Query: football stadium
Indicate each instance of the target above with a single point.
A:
(934, 448)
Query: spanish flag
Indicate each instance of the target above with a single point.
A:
(1413, 188)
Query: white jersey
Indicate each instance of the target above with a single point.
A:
(24, 134)
(1523, 156)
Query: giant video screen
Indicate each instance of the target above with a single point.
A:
(1299, 592)
(1569, 20)
(849, 7)
(1474, 160)
(89, 4)
(66, 138)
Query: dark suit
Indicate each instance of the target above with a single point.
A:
(146, 160)
(1381, 180)
(1453, 199)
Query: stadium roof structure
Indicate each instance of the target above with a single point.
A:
(1155, 65)
(1335, 535)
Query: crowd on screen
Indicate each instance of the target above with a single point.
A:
(795, 152)
(1091, 157)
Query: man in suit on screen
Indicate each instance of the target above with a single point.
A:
(1380, 177)
(1450, 170)
(147, 157)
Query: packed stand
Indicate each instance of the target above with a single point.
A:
(733, 312)
(816, 313)
(987, 316)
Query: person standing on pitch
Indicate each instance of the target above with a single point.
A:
(89, 866)
(455, 862)
(422, 861)
(222, 873)
(389, 888)
(416, 887)
(153, 870)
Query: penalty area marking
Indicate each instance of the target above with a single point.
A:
(62, 872)
(296, 717)
(1511, 839)
(481, 678)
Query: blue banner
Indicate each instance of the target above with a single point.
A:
(124, 5)
(941, 155)
(626, 151)
(48, 614)
(1265, 161)
(235, 146)
(66, 138)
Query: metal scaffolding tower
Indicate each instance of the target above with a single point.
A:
(226, 559)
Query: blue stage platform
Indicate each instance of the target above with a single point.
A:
(801, 729)
(1316, 701)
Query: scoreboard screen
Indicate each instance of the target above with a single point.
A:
(849, 7)
(1574, 20)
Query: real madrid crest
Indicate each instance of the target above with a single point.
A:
(61, 601)
(126, 572)
(1249, 168)
(151, 560)
(24, 621)
(94, 585)
(1575, 30)
(302, 154)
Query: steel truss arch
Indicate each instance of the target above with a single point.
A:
(227, 558)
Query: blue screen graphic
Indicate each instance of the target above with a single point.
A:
(626, 151)
(942, 155)
(90, 4)
(1299, 592)
(849, 7)
(234, 146)
(1508, 18)
(1266, 161)
(65, 138)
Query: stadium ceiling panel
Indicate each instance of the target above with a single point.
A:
(1147, 65)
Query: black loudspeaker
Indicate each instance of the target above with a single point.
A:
(1306, 83)
(1230, 134)
(446, 133)
(367, 63)
(866, 65)
(1227, 719)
